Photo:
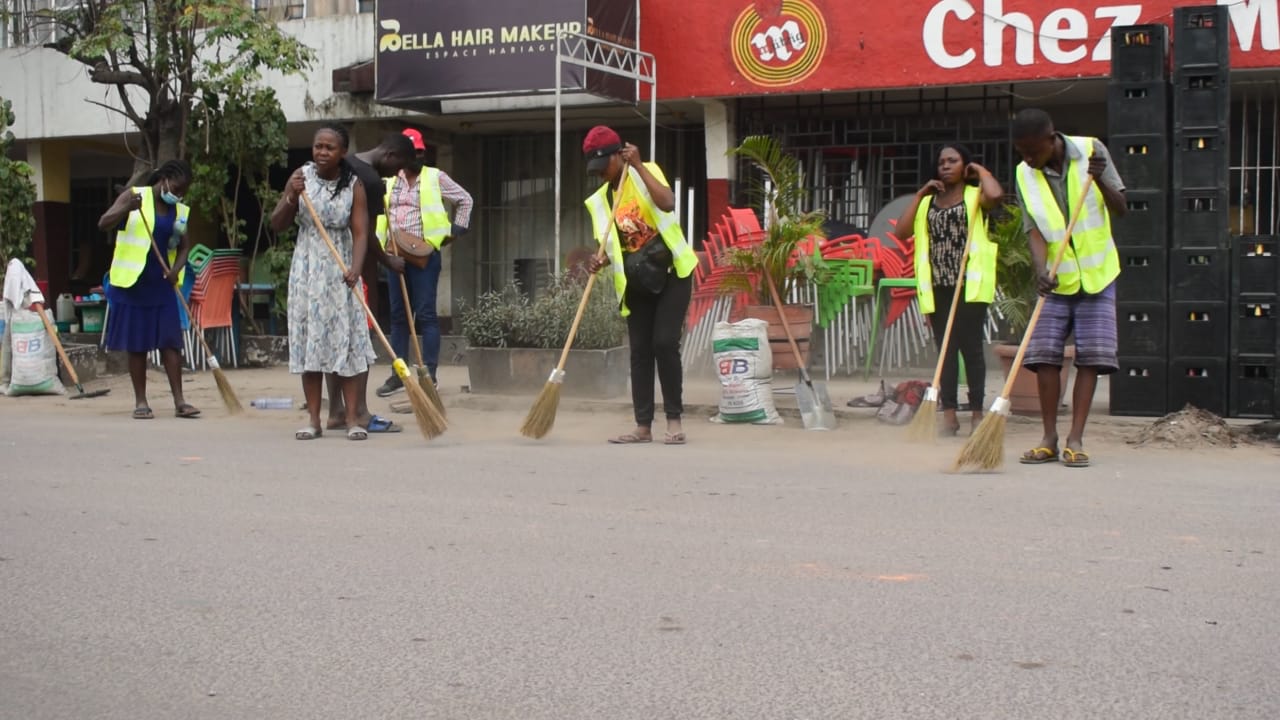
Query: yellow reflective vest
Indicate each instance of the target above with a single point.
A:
(980, 269)
(436, 225)
(1091, 262)
(133, 243)
(605, 231)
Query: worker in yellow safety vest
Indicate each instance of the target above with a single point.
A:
(652, 266)
(1080, 299)
(417, 221)
(939, 218)
(143, 313)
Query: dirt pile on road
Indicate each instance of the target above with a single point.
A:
(1188, 428)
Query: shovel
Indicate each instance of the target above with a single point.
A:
(66, 362)
(814, 402)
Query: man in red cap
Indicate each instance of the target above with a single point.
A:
(418, 221)
(419, 146)
(632, 218)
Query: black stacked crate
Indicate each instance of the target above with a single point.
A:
(1139, 128)
(1255, 329)
(1200, 311)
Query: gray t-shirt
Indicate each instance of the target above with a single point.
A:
(1058, 183)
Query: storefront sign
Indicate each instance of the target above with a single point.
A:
(781, 50)
(831, 45)
(464, 48)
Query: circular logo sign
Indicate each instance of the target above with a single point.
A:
(781, 50)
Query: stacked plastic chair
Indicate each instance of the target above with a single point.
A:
(211, 303)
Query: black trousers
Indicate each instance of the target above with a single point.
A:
(966, 339)
(655, 326)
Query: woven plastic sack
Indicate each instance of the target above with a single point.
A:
(744, 364)
(33, 364)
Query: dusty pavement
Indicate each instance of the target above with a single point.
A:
(219, 569)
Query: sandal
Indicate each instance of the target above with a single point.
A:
(143, 413)
(186, 410)
(674, 439)
(357, 433)
(1039, 456)
(307, 433)
(379, 424)
(1075, 458)
(629, 439)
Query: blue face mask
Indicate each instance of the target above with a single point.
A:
(168, 197)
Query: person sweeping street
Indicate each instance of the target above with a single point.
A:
(144, 310)
(385, 160)
(1081, 299)
(652, 268)
(957, 197)
(417, 220)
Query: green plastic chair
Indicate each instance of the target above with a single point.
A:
(199, 257)
(850, 279)
(884, 284)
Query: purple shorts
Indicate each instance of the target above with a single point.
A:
(1090, 318)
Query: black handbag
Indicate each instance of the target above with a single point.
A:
(650, 266)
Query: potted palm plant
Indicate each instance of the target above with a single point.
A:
(1016, 297)
(779, 254)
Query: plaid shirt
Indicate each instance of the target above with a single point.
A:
(406, 214)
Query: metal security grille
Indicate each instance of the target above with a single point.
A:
(860, 156)
(1255, 161)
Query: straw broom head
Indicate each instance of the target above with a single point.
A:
(430, 422)
(542, 416)
(229, 398)
(985, 448)
(924, 426)
(433, 394)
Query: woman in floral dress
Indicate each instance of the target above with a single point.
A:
(328, 331)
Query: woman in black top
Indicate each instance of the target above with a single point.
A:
(940, 225)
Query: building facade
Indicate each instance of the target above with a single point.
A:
(862, 93)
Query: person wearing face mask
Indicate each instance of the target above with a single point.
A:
(144, 311)
(938, 218)
(652, 264)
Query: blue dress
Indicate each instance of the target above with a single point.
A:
(146, 316)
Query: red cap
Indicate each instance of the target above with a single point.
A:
(600, 143)
(416, 137)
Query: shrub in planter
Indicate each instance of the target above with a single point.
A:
(514, 343)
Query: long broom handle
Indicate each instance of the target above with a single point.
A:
(586, 292)
(57, 344)
(199, 333)
(955, 298)
(791, 338)
(324, 234)
(404, 292)
(1053, 271)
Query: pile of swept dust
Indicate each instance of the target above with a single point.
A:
(1189, 428)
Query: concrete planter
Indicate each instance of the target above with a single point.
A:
(515, 371)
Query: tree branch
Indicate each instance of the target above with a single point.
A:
(105, 75)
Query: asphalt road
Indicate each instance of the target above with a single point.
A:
(219, 569)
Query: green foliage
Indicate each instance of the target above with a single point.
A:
(174, 53)
(1015, 277)
(278, 259)
(786, 225)
(17, 194)
(506, 317)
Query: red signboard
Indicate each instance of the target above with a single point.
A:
(747, 47)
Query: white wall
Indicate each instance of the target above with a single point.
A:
(51, 94)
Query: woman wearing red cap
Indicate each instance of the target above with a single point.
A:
(631, 216)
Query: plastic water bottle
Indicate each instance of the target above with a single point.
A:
(273, 403)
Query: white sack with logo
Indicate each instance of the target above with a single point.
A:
(31, 365)
(744, 364)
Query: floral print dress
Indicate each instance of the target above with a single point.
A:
(328, 330)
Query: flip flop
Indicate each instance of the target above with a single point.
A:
(379, 424)
(629, 439)
(143, 413)
(186, 410)
(307, 433)
(1039, 456)
(1075, 458)
(357, 433)
(674, 439)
